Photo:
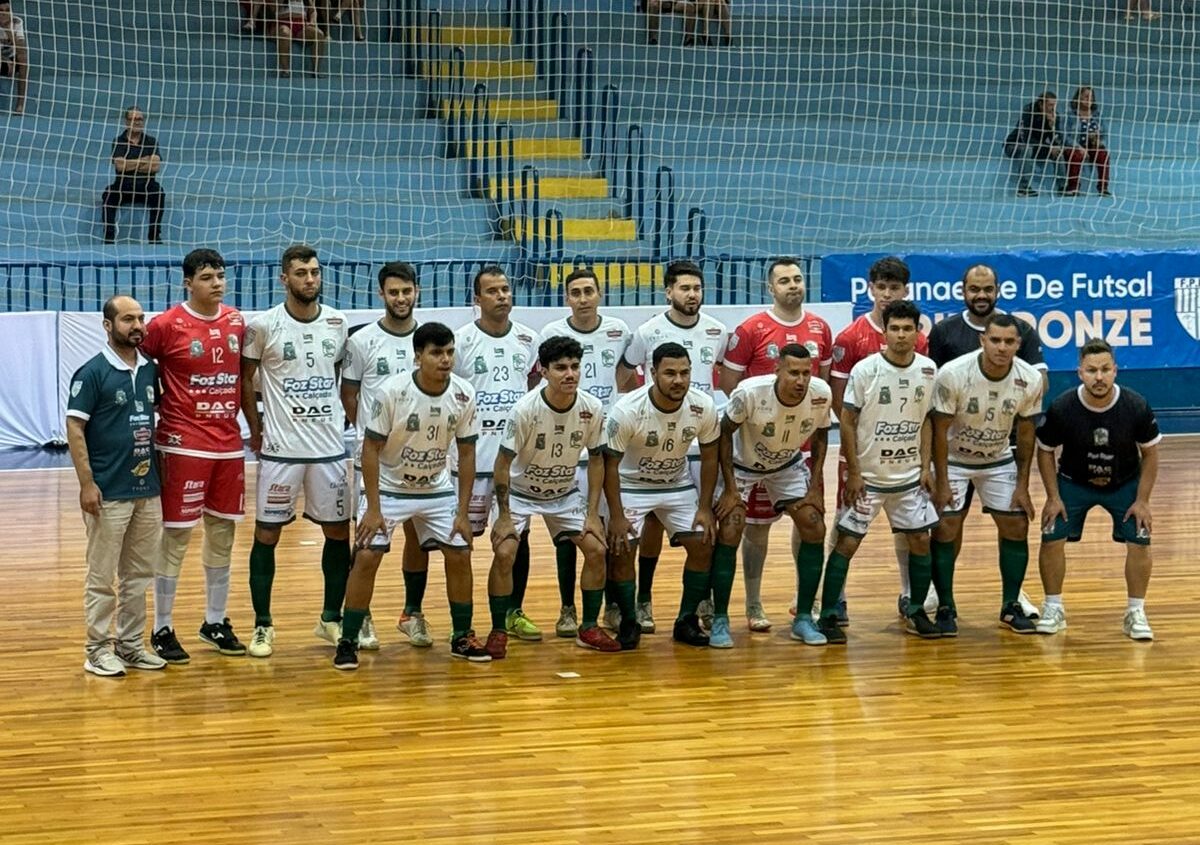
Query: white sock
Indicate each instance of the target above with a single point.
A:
(1136, 604)
(900, 541)
(216, 588)
(1054, 601)
(164, 600)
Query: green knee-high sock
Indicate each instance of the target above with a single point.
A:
(1014, 558)
(920, 572)
(498, 605)
(695, 588)
(809, 560)
(724, 567)
(335, 566)
(352, 622)
(836, 569)
(460, 618)
(564, 559)
(621, 594)
(592, 599)
(520, 573)
(645, 578)
(262, 576)
(414, 590)
(943, 573)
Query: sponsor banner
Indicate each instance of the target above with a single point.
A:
(1146, 304)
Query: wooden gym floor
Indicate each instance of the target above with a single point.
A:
(1082, 738)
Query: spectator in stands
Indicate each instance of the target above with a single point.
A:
(14, 55)
(355, 8)
(1037, 140)
(717, 10)
(256, 16)
(1089, 135)
(298, 22)
(136, 160)
(688, 9)
(1131, 11)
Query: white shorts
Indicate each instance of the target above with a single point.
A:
(563, 516)
(279, 486)
(994, 485)
(694, 473)
(482, 493)
(909, 511)
(431, 515)
(675, 508)
(782, 487)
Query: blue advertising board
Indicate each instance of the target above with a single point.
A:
(1146, 304)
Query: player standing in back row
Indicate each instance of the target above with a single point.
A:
(499, 358)
(604, 340)
(198, 347)
(296, 347)
(704, 339)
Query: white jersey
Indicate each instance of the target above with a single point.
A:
(297, 369)
(420, 430)
(772, 435)
(984, 411)
(892, 403)
(374, 355)
(705, 343)
(653, 443)
(603, 347)
(10, 38)
(498, 368)
(546, 443)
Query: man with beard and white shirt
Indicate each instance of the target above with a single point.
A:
(499, 358)
(374, 353)
(604, 340)
(704, 338)
(296, 348)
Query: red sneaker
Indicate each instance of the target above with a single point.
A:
(596, 639)
(497, 645)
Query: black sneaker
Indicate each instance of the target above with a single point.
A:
(919, 624)
(220, 635)
(843, 614)
(347, 656)
(902, 606)
(1014, 618)
(947, 621)
(629, 634)
(833, 632)
(468, 647)
(167, 646)
(689, 632)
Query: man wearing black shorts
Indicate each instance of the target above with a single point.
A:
(1109, 440)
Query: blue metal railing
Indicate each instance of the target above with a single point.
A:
(531, 197)
(477, 149)
(503, 173)
(664, 214)
(610, 106)
(635, 177)
(584, 98)
(559, 61)
(697, 234)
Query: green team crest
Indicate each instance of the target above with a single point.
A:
(196, 348)
(381, 367)
(289, 351)
(706, 355)
(576, 439)
(539, 442)
(652, 438)
(608, 357)
(452, 420)
(414, 423)
(769, 429)
(480, 364)
(973, 406)
(885, 396)
(920, 392)
(328, 347)
(688, 433)
(772, 350)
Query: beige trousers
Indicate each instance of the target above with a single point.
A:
(123, 543)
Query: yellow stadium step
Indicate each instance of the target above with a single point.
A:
(622, 275)
(482, 69)
(476, 36)
(511, 110)
(525, 148)
(578, 229)
(557, 187)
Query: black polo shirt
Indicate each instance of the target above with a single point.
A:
(124, 148)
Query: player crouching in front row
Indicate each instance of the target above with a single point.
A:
(767, 422)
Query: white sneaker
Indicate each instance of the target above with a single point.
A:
(141, 659)
(368, 640)
(612, 617)
(416, 629)
(1027, 606)
(262, 644)
(756, 619)
(645, 617)
(330, 632)
(104, 663)
(1052, 619)
(705, 612)
(568, 622)
(1137, 627)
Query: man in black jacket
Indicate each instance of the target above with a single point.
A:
(1036, 139)
(136, 160)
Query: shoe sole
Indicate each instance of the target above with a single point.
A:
(695, 644)
(486, 658)
(526, 639)
(582, 644)
(563, 633)
(1016, 630)
(800, 639)
(228, 652)
(725, 645)
(345, 667)
(948, 635)
(368, 646)
(1141, 639)
(178, 661)
(250, 652)
(933, 635)
(101, 673)
(759, 628)
(129, 665)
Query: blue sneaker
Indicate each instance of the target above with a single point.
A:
(720, 636)
(805, 630)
